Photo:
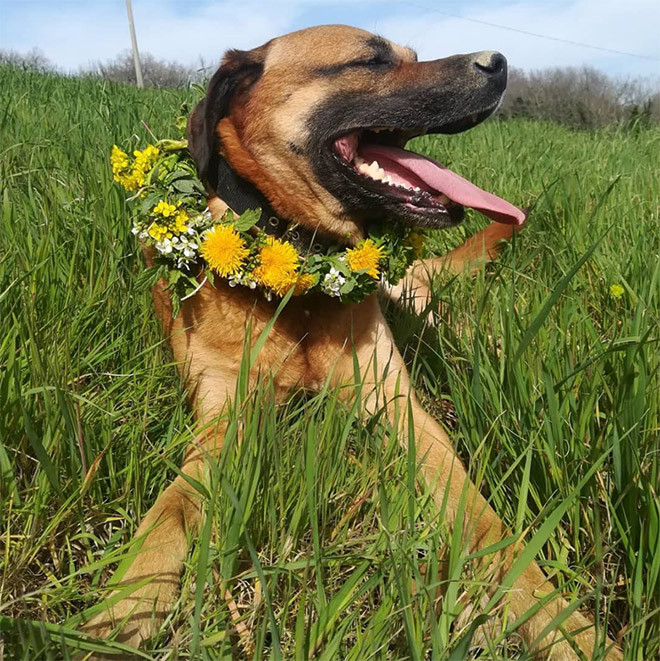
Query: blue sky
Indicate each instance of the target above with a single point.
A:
(72, 33)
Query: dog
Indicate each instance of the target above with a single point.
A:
(286, 121)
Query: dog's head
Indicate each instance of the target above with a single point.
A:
(305, 116)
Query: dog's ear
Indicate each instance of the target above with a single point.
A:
(238, 72)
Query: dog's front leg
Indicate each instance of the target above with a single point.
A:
(483, 247)
(142, 597)
(386, 384)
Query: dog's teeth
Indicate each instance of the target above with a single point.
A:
(417, 189)
(373, 169)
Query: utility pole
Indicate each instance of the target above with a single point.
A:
(136, 55)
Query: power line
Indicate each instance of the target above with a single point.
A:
(533, 34)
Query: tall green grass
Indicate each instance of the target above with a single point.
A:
(318, 542)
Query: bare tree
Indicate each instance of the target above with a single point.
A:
(156, 73)
(580, 97)
(33, 60)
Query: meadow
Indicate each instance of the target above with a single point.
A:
(318, 540)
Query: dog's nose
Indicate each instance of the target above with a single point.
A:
(490, 62)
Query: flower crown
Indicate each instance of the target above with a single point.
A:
(169, 212)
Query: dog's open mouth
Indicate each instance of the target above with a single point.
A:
(424, 186)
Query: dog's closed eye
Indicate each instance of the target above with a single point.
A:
(375, 61)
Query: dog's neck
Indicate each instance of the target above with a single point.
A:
(240, 195)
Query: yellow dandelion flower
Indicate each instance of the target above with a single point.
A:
(278, 266)
(224, 250)
(304, 283)
(366, 256)
(617, 291)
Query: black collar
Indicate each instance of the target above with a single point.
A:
(240, 195)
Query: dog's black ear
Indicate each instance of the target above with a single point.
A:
(237, 73)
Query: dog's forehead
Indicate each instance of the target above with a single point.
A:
(329, 44)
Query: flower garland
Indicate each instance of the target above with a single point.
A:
(169, 212)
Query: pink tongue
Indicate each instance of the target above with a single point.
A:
(407, 167)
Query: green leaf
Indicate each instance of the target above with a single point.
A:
(176, 305)
(176, 174)
(348, 286)
(173, 276)
(184, 185)
(149, 202)
(247, 220)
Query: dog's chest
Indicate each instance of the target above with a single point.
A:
(299, 343)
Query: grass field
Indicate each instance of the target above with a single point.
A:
(317, 542)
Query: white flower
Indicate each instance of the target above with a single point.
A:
(332, 282)
(188, 252)
(164, 246)
(244, 279)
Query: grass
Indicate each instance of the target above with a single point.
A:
(318, 542)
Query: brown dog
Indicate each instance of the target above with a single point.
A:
(290, 118)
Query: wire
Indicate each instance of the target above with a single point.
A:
(533, 34)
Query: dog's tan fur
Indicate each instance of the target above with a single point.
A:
(313, 340)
